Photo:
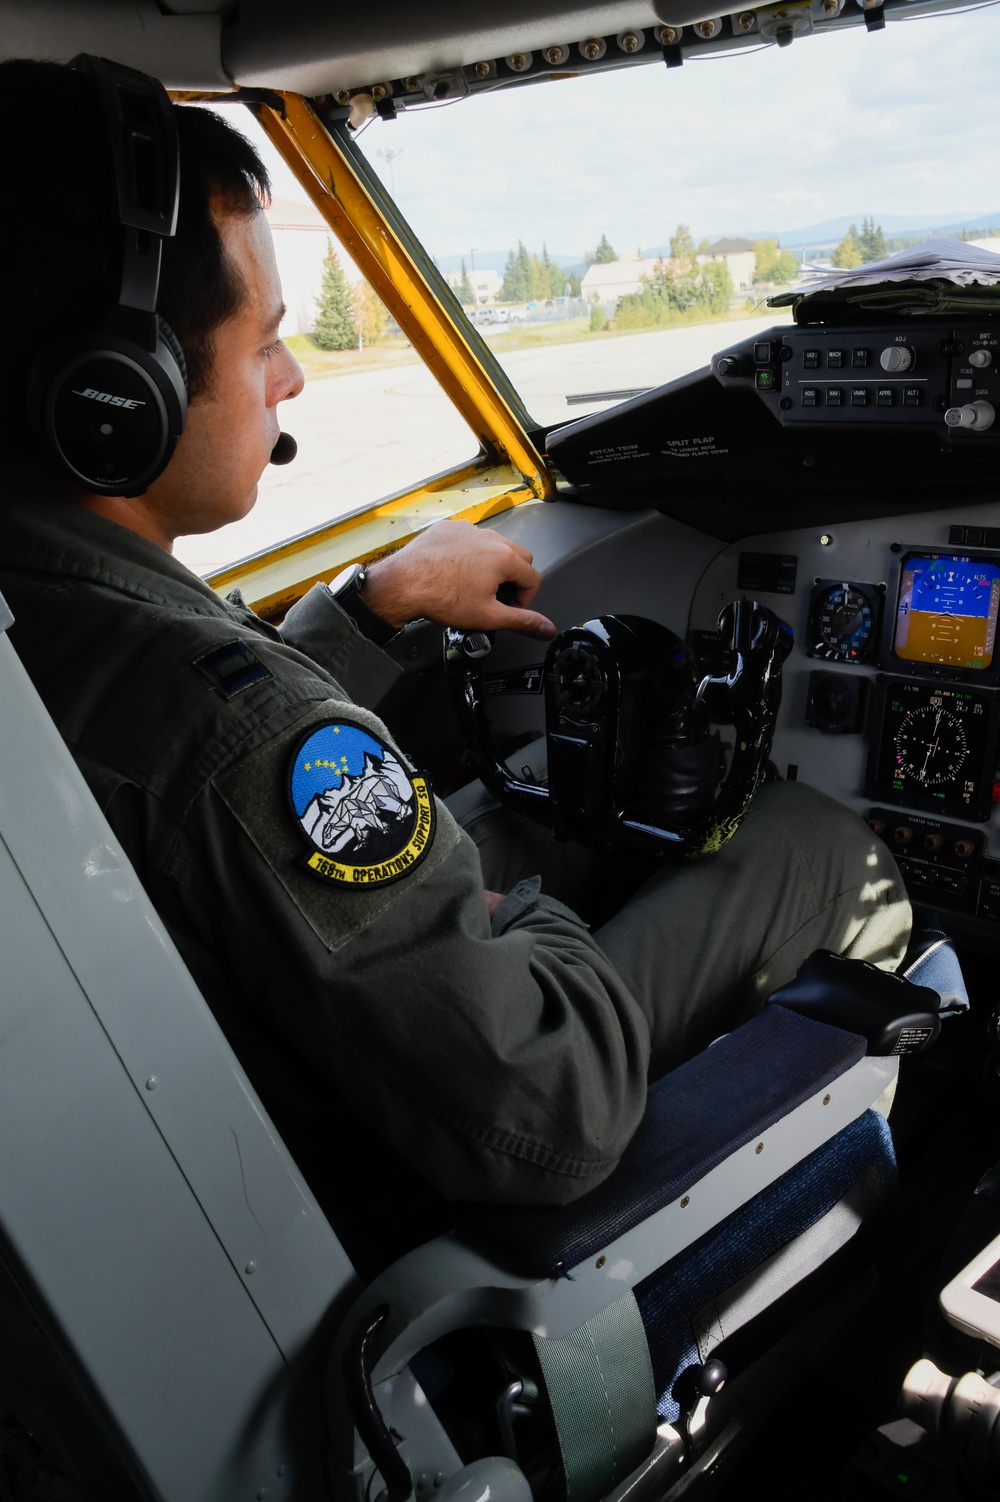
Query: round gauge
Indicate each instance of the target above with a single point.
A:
(931, 746)
(842, 623)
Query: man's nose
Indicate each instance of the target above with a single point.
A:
(292, 379)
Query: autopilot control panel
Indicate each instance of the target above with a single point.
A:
(942, 376)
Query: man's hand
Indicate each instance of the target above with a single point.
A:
(450, 574)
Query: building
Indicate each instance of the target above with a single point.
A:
(607, 281)
(485, 284)
(738, 256)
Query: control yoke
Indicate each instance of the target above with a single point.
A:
(632, 758)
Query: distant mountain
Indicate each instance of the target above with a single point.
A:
(832, 231)
(811, 237)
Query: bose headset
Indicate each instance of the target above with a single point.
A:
(111, 401)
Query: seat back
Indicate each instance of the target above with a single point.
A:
(152, 1223)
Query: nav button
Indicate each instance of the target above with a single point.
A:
(834, 396)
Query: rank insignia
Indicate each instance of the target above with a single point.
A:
(366, 819)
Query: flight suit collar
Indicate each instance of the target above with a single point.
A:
(59, 538)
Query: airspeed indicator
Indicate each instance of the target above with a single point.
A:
(843, 621)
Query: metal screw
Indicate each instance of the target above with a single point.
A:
(556, 55)
(152, 1082)
(251, 1267)
(379, 92)
(708, 29)
(629, 42)
(826, 1100)
(746, 19)
(343, 96)
(830, 7)
(668, 35)
(685, 1202)
(412, 85)
(825, 539)
(600, 1261)
(759, 1148)
(483, 70)
(592, 50)
(518, 62)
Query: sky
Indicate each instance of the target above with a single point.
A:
(896, 122)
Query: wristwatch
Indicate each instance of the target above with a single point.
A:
(346, 589)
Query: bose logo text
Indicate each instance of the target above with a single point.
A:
(105, 396)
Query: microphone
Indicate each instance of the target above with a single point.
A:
(284, 450)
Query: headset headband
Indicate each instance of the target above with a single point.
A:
(144, 144)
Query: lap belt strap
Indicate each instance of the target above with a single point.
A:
(600, 1385)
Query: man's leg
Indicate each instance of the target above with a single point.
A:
(704, 942)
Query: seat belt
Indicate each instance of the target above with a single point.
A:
(600, 1385)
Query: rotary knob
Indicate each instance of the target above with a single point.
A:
(978, 416)
(896, 359)
(980, 358)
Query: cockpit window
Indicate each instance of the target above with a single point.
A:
(602, 230)
(608, 233)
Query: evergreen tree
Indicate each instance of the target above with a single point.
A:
(871, 242)
(605, 252)
(463, 291)
(334, 327)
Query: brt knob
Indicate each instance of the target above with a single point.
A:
(896, 359)
(975, 415)
(980, 358)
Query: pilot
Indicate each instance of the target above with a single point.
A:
(410, 1016)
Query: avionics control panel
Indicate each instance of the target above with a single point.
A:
(891, 698)
(939, 375)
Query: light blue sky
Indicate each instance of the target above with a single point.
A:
(898, 122)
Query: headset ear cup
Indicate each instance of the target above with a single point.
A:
(173, 344)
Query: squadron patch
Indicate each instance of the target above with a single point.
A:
(368, 821)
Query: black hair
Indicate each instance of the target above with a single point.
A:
(61, 251)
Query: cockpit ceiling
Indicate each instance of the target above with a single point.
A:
(322, 47)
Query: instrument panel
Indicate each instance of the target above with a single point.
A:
(892, 695)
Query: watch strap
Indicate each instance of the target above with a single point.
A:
(348, 596)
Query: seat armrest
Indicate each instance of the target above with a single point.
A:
(894, 1015)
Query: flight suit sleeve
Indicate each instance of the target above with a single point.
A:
(316, 626)
(505, 1069)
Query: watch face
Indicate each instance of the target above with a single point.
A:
(348, 581)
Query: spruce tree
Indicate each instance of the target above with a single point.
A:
(334, 327)
(463, 291)
(871, 242)
(605, 252)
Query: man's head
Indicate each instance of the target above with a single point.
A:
(62, 260)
